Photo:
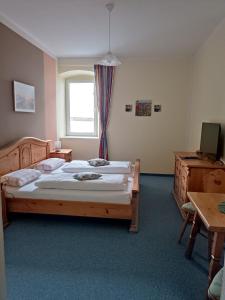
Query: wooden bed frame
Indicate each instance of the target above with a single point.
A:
(27, 152)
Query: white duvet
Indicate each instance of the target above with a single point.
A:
(108, 182)
(115, 167)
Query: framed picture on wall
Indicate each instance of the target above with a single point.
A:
(24, 97)
(157, 108)
(128, 107)
(143, 108)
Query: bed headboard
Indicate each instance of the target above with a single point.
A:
(23, 153)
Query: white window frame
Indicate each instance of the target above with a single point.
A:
(96, 122)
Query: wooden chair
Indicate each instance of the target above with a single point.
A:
(213, 182)
(189, 209)
(214, 290)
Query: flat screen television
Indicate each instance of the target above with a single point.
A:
(210, 140)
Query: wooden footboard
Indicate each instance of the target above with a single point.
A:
(70, 208)
(134, 226)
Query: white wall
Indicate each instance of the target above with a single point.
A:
(207, 102)
(152, 139)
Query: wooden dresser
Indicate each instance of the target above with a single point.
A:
(190, 174)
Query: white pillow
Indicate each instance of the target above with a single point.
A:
(21, 177)
(50, 164)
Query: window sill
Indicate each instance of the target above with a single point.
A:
(80, 137)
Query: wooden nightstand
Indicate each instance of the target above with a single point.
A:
(62, 153)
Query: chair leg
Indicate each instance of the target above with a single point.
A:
(184, 226)
(210, 241)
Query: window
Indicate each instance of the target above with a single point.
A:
(81, 108)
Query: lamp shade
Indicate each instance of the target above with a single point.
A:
(109, 60)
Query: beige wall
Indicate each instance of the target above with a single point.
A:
(207, 102)
(83, 148)
(152, 139)
(50, 97)
(20, 60)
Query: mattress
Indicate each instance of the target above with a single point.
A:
(33, 192)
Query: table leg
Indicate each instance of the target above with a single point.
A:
(194, 231)
(217, 248)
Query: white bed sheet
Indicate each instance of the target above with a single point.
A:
(60, 170)
(66, 181)
(32, 191)
(115, 167)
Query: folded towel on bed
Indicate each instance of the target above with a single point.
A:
(115, 167)
(98, 162)
(108, 182)
(86, 176)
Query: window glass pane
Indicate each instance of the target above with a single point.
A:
(81, 95)
(82, 126)
(82, 113)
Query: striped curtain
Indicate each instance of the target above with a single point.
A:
(104, 81)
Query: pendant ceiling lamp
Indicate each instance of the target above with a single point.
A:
(109, 59)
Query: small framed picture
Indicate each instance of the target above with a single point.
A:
(143, 108)
(24, 97)
(157, 108)
(128, 107)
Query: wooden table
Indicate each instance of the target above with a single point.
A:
(62, 153)
(207, 212)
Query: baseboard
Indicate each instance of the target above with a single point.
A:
(157, 174)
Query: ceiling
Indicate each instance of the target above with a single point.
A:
(146, 28)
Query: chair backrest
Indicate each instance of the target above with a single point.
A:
(214, 181)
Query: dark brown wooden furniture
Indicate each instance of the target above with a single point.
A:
(189, 174)
(62, 153)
